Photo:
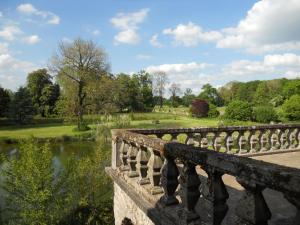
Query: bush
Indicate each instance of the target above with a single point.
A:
(291, 108)
(199, 108)
(238, 110)
(265, 114)
(213, 111)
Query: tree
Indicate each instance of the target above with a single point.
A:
(199, 108)
(265, 114)
(145, 83)
(238, 110)
(291, 108)
(159, 83)
(36, 82)
(292, 87)
(210, 94)
(21, 109)
(174, 91)
(49, 97)
(35, 195)
(188, 97)
(78, 64)
(4, 101)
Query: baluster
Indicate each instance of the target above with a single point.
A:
(288, 143)
(252, 208)
(283, 140)
(159, 136)
(274, 141)
(190, 183)
(298, 138)
(123, 156)
(189, 140)
(197, 140)
(169, 182)
(154, 166)
(292, 139)
(263, 141)
(116, 151)
(132, 152)
(242, 143)
(204, 141)
(142, 160)
(229, 143)
(296, 202)
(217, 142)
(216, 195)
(253, 142)
(174, 138)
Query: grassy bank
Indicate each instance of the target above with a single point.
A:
(138, 120)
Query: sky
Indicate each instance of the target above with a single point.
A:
(194, 42)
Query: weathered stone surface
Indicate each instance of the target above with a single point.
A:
(125, 207)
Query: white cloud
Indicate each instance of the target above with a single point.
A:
(10, 32)
(127, 37)
(128, 23)
(3, 48)
(180, 68)
(270, 25)
(191, 34)
(96, 32)
(143, 56)
(287, 59)
(28, 9)
(33, 39)
(13, 71)
(154, 42)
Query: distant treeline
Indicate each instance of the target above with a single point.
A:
(136, 93)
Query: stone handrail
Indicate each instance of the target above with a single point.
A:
(262, 139)
(164, 165)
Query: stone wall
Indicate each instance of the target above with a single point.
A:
(125, 207)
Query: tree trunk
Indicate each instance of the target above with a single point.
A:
(80, 102)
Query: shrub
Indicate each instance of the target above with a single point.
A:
(199, 108)
(213, 111)
(265, 114)
(291, 108)
(238, 110)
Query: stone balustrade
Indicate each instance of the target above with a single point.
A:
(235, 139)
(170, 169)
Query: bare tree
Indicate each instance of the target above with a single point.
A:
(174, 91)
(160, 80)
(77, 64)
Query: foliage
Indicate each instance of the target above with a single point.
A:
(291, 107)
(33, 190)
(44, 93)
(199, 108)
(265, 114)
(292, 87)
(175, 91)
(21, 109)
(78, 65)
(213, 111)
(4, 101)
(210, 94)
(238, 110)
(160, 80)
(121, 121)
(188, 97)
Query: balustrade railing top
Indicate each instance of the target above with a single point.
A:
(159, 163)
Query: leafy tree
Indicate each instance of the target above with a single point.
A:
(174, 91)
(213, 111)
(145, 83)
(229, 91)
(160, 80)
(21, 109)
(199, 108)
(291, 108)
(43, 100)
(265, 114)
(238, 110)
(4, 101)
(34, 194)
(78, 64)
(188, 97)
(292, 87)
(246, 91)
(210, 94)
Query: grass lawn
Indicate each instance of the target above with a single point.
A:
(139, 120)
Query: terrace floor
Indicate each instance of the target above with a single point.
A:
(279, 206)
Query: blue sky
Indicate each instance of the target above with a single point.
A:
(194, 42)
